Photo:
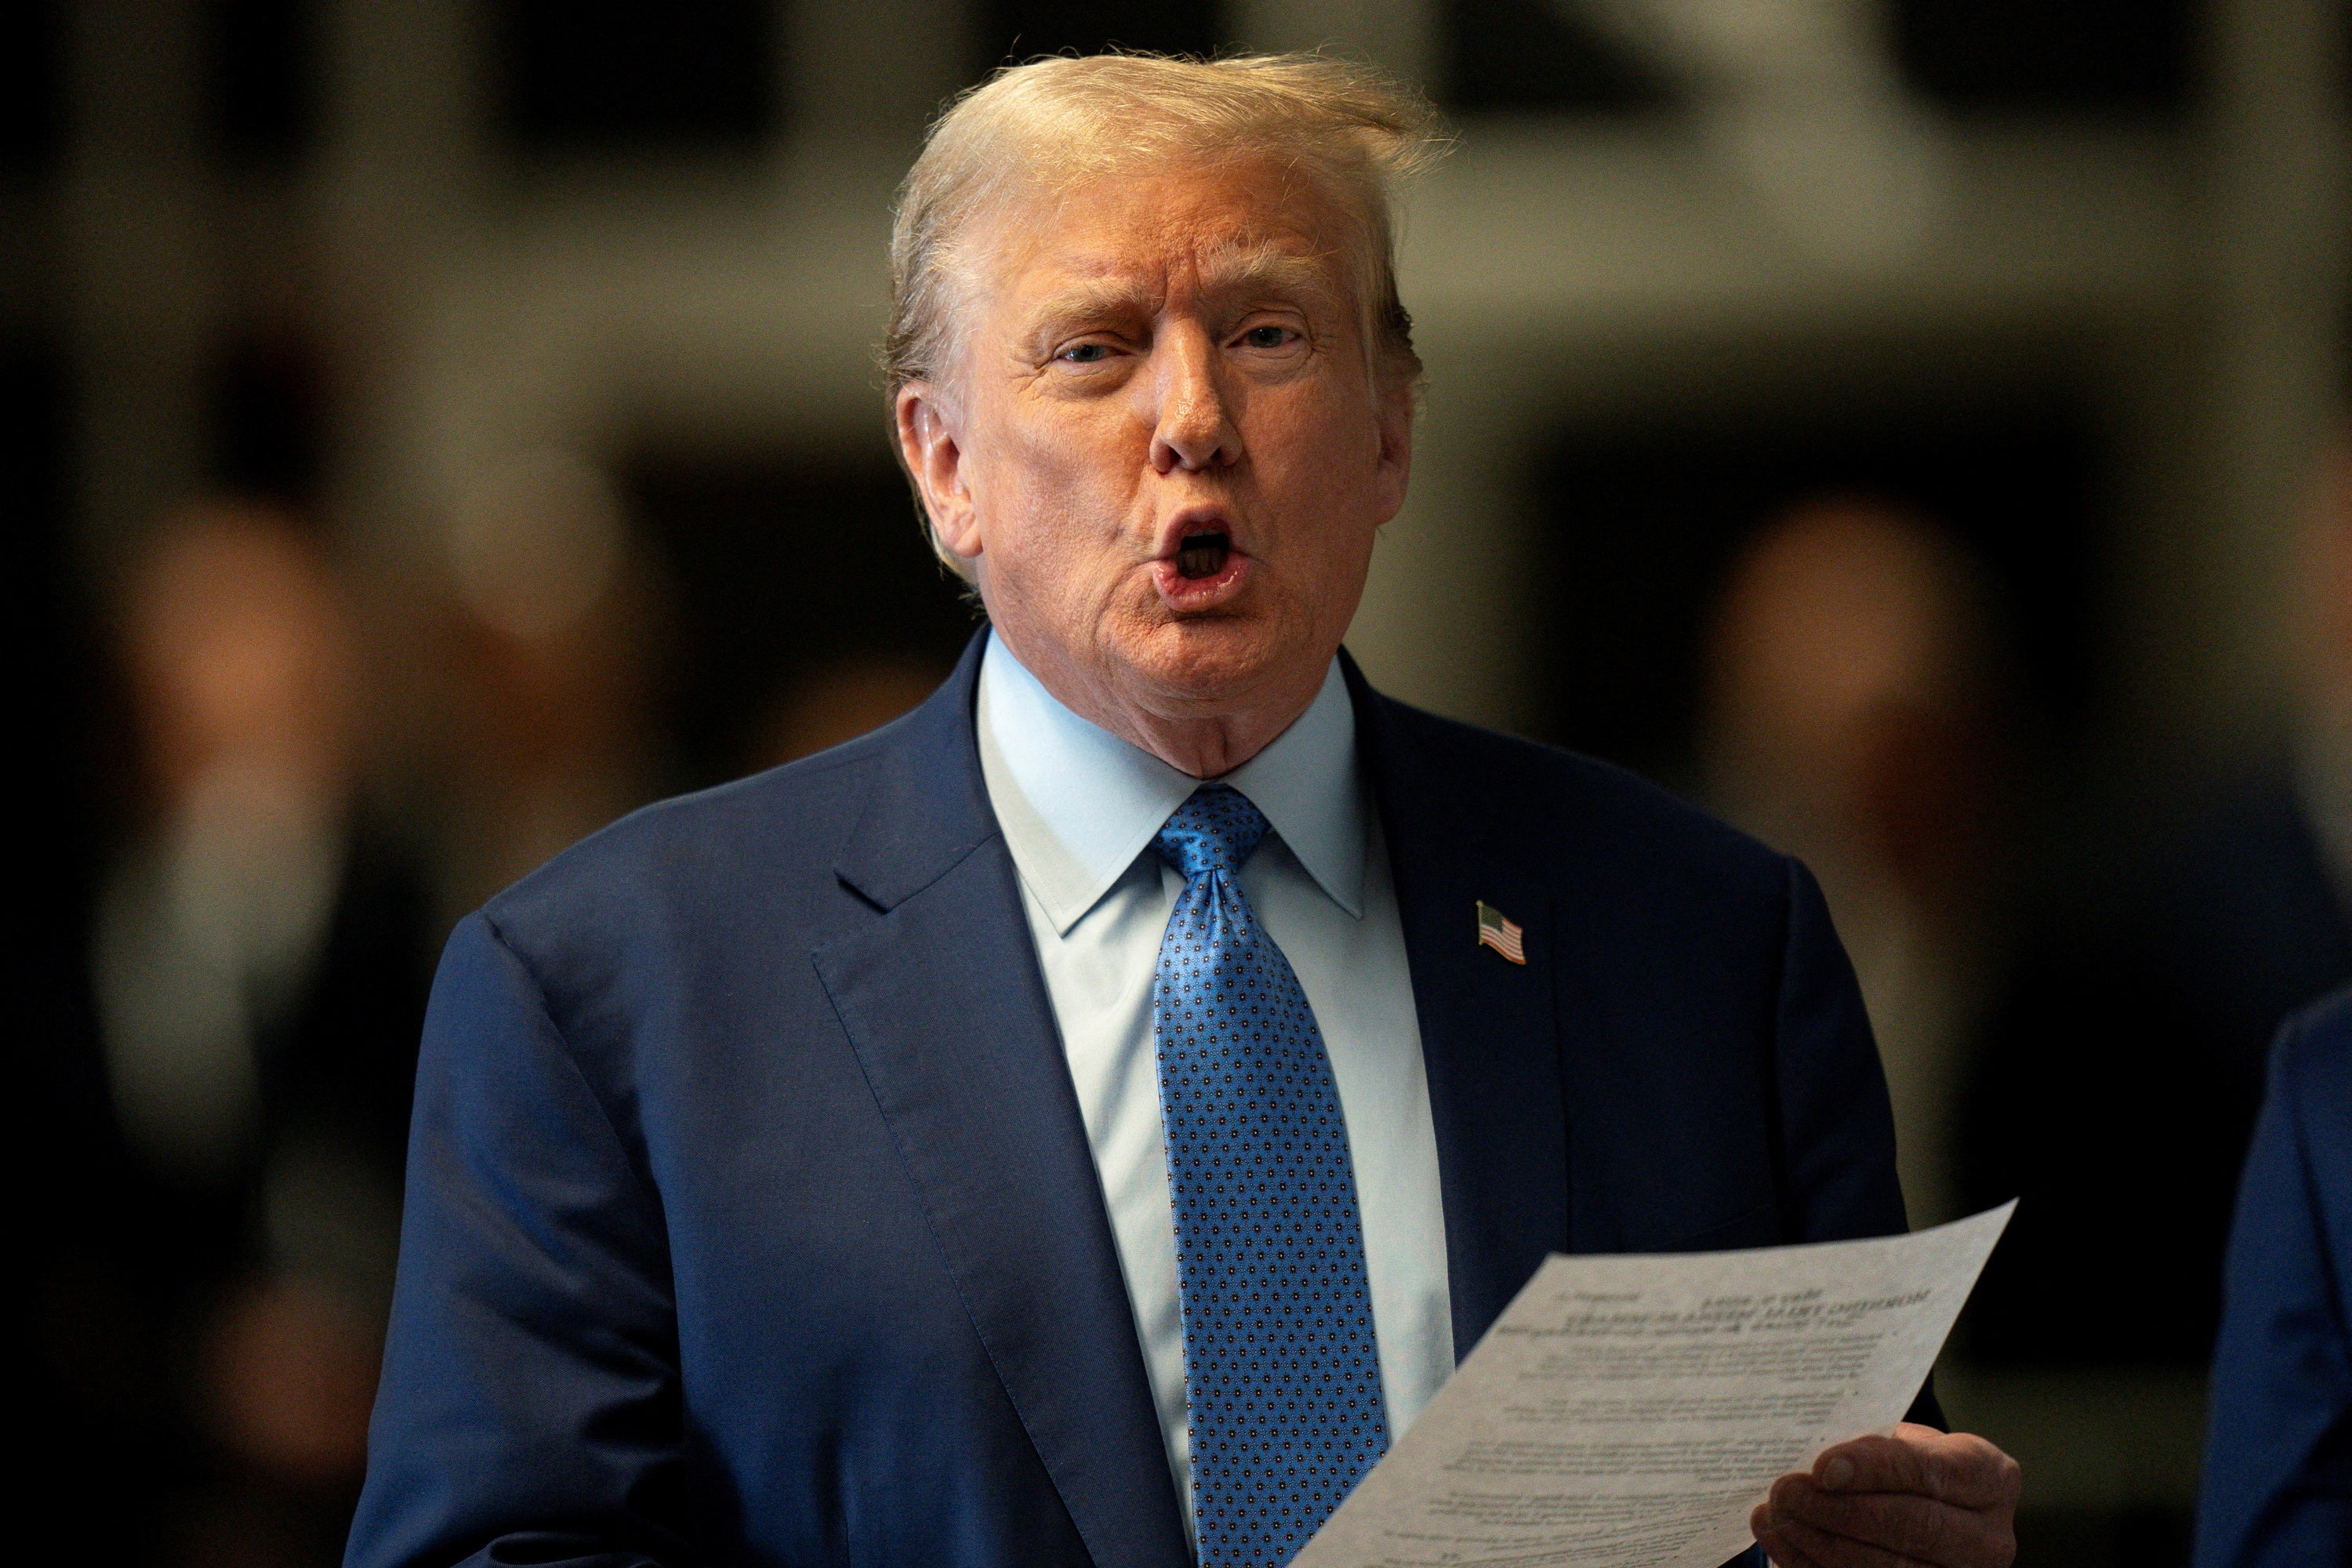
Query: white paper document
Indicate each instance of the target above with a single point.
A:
(1629, 1412)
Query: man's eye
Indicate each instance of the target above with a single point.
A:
(1269, 337)
(1085, 353)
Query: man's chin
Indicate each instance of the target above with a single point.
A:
(1207, 662)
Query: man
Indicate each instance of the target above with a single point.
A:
(2145, 997)
(1852, 720)
(259, 957)
(2278, 1460)
(987, 1142)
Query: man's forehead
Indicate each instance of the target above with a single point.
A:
(1282, 262)
(1210, 229)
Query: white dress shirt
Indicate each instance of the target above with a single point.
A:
(1079, 808)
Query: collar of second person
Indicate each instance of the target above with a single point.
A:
(1077, 803)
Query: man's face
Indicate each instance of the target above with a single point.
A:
(1164, 447)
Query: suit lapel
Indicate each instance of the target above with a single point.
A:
(945, 1006)
(1488, 1030)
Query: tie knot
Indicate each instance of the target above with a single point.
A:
(1216, 830)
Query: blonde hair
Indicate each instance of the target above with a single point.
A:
(1057, 123)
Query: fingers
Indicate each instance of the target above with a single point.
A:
(1956, 1467)
(1773, 1537)
(1792, 1544)
(1919, 1497)
(1888, 1527)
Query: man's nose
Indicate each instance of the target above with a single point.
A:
(1193, 428)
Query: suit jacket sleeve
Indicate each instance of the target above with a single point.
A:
(1839, 1133)
(530, 1409)
(2278, 1465)
(1838, 1130)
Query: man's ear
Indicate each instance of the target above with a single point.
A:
(930, 439)
(1399, 401)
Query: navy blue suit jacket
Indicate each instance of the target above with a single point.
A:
(751, 1217)
(2278, 1463)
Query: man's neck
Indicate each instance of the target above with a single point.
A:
(1203, 740)
(1205, 748)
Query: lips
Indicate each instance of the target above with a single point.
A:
(1200, 568)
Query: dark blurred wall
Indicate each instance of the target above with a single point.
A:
(1980, 55)
(58, 1127)
(1018, 29)
(610, 76)
(32, 110)
(793, 568)
(261, 80)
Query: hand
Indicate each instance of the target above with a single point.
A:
(1921, 1498)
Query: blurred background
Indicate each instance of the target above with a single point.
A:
(430, 428)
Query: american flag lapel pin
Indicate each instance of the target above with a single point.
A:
(1501, 934)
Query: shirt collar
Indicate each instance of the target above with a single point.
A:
(1077, 803)
(1307, 783)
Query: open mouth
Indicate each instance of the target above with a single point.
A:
(1202, 556)
(1204, 568)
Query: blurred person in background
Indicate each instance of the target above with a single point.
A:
(2122, 1064)
(837, 703)
(259, 964)
(2323, 578)
(557, 641)
(2278, 1469)
(2277, 1488)
(1851, 722)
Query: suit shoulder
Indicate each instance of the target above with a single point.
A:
(1596, 808)
(2312, 1065)
(772, 831)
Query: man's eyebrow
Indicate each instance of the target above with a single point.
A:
(1251, 269)
(1083, 304)
(1267, 270)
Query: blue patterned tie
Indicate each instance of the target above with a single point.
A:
(1281, 1370)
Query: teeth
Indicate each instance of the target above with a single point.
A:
(1202, 555)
